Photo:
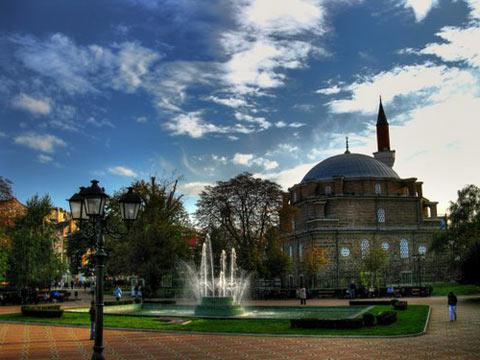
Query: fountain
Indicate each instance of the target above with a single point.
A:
(221, 295)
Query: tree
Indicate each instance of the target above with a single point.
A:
(313, 260)
(32, 260)
(156, 240)
(5, 189)
(275, 263)
(246, 207)
(462, 237)
(373, 262)
(4, 252)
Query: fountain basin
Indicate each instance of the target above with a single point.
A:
(218, 307)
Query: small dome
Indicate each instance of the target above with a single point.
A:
(349, 165)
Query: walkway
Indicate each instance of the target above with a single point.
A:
(444, 340)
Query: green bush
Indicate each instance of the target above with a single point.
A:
(386, 318)
(327, 323)
(43, 311)
(400, 305)
(161, 302)
(369, 319)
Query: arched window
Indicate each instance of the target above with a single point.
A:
(290, 251)
(345, 252)
(364, 247)
(404, 249)
(422, 249)
(385, 246)
(328, 190)
(294, 196)
(378, 189)
(300, 252)
(381, 215)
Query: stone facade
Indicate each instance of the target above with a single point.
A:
(352, 203)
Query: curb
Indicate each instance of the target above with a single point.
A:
(423, 332)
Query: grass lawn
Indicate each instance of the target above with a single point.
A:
(410, 321)
(442, 289)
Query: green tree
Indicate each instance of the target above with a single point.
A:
(32, 259)
(4, 253)
(155, 241)
(373, 262)
(246, 207)
(313, 261)
(275, 262)
(462, 237)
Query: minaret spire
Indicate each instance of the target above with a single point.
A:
(347, 151)
(384, 153)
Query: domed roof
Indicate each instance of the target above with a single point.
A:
(349, 165)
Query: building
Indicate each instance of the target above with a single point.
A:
(350, 204)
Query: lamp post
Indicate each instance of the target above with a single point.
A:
(88, 205)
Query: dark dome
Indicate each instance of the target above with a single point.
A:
(349, 165)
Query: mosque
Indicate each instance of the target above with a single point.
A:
(350, 204)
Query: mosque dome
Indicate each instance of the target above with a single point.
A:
(350, 166)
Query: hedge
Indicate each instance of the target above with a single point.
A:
(372, 302)
(43, 311)
(400, 305)
(369, 319)
(386, 318)
(327, 324)
(119, 302)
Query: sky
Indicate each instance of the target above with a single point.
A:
(203, 90)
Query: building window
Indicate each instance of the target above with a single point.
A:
(290, 280)
(290, 251)
(345, 252)
(378, 189)
(422, 249)
(293, 224)
(300, 252)
(364, 247)
(385, 246)
(381, 215)
(294, 195)
(328, 190)
(404, 249)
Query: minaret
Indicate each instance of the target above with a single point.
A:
(384, 154)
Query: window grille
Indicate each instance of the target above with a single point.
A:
(378, 189)
(364, 247)
(345, 252)
(328, 190)
(404, 249)
(422, 249)
(385, 246)
(381, 215)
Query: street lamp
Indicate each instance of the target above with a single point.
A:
(88, 205)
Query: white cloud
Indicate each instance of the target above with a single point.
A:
(332, 90)
(194, 188)
(296, 125)
(249, 160)
(134, 63)
(242, 159)
(36, 106)
(42, 142)
(458, 45)
(99, 123)
(280, 124)
(44, 159)
(421, 8)
(289, 177)
(264, 124)
(420, 82)
(2, 134)
(122, 171)
(141, 119)
(193, 125)
(228, 101)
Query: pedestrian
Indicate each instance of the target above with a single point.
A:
(303, 296)
(452, 306)
(117, 293)
(92, 320)
(135, 291)
(71, 284)
(353, 290)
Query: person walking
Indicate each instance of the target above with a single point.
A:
(117, 293)
(452, 306)
(92, 320)
(303, 296)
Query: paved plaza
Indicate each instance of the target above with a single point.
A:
(443, 340)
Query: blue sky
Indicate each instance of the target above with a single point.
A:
(203, 90)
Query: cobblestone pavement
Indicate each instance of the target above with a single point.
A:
(444, 340)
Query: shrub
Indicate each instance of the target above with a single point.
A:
(327, 324)
(369, 319)
(400, 305)
(370, 302)
(45, 311)
(386, 318)
(162, 302)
